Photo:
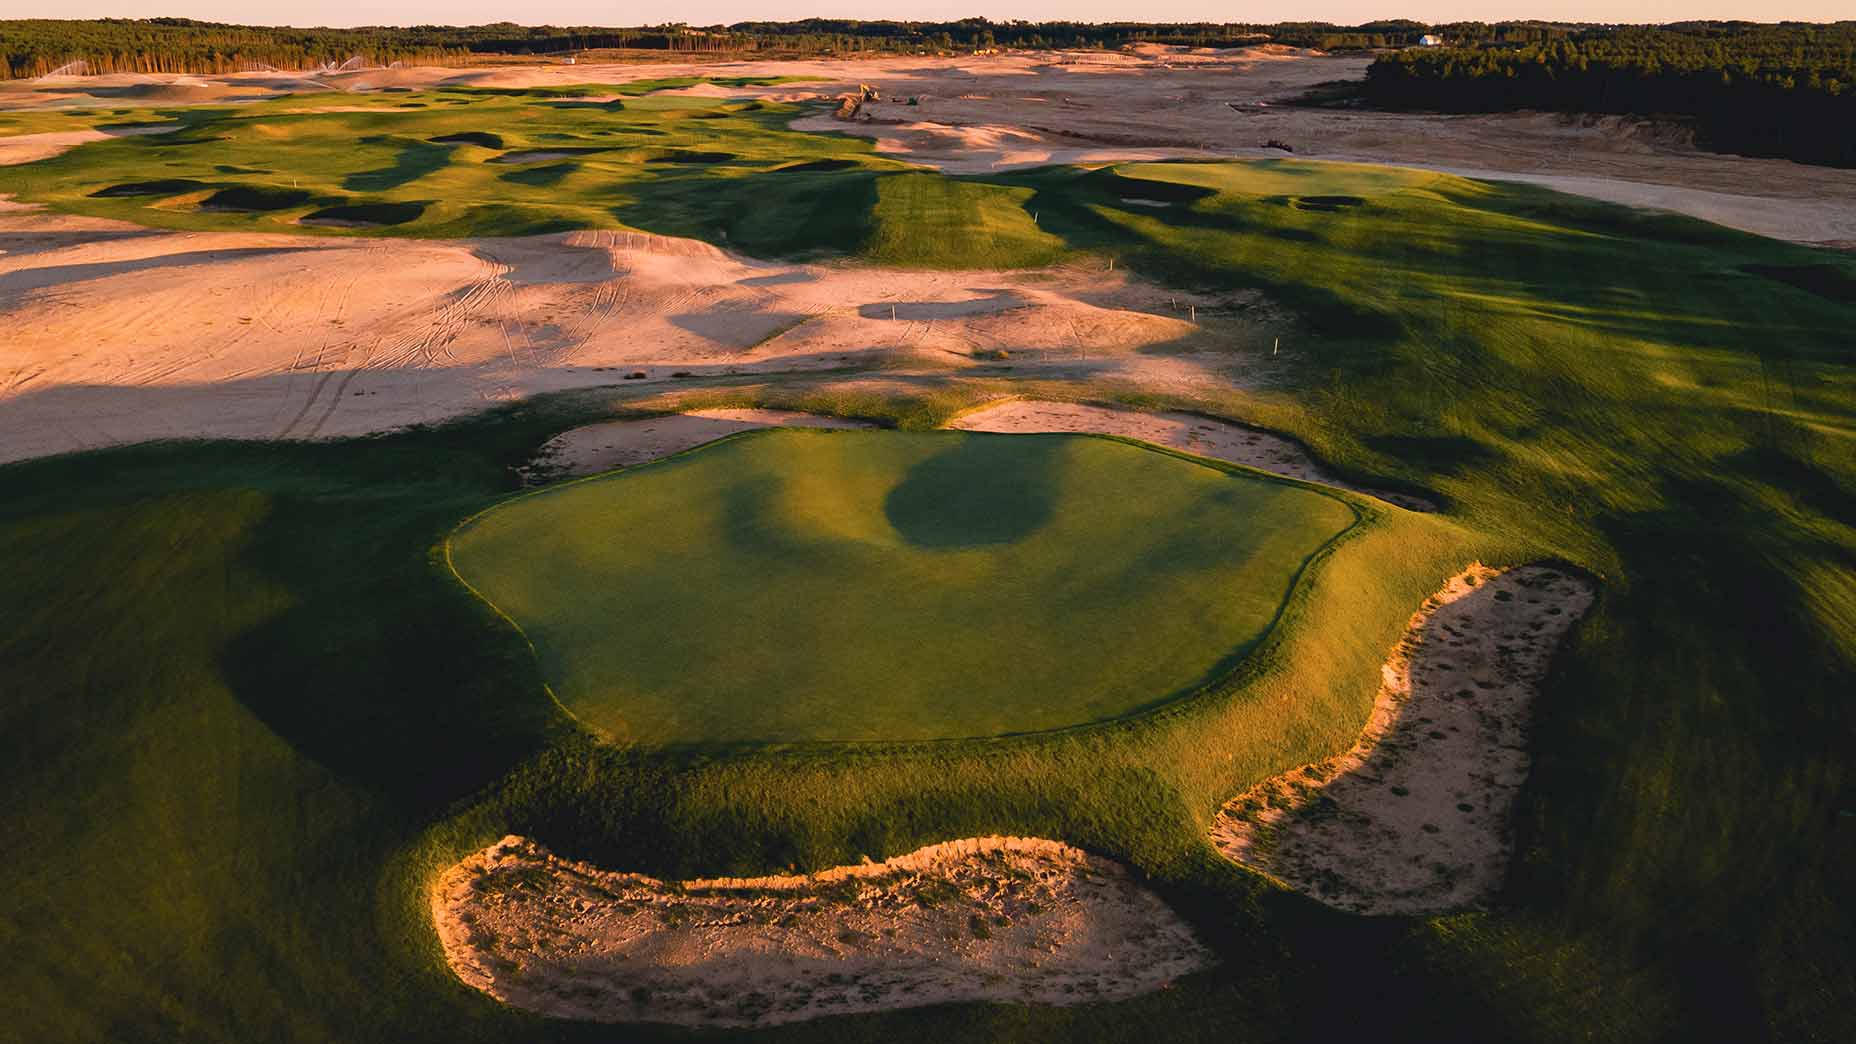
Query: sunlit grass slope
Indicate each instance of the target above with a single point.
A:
(887, 586)
(230, 666)
(245, 710)
(475, 161)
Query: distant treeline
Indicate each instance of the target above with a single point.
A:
(34, 47)
(1759, 90)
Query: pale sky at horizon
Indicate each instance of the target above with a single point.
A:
(708, 12)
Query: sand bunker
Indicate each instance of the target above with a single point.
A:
(1415, 819)
(1008, 920)
(1182, 431)
(618, 444)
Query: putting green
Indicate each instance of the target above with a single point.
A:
(804, 585)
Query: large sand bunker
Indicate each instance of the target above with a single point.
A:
(1415, 818)
(1190, 432)
(1008, 920)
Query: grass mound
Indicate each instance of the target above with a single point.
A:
(1326, 204)
(817, 166)
(255, 198)
(164, 187)
(1123, 186)
(1827, 281)
(482, 139)
(692, 156)
(366, 214)
(795, 585)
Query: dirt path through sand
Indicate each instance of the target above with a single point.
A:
(1011, 920)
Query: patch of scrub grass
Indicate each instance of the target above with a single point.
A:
(888, 586)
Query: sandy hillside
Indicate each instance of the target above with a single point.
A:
(1415, 819)
(121, 334)
(988, 919)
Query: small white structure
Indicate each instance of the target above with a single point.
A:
(1428, 40)
(569, 60)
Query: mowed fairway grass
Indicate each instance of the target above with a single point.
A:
(806, 585)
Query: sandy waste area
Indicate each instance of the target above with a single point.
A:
(121, 334)
(1415, 819)
(118, 333)
(1010, 920)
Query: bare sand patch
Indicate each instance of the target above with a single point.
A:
(1181, 431)
(30, 148)
(1415, 819)
(1008, 920)
(119, 333)
(595, 448)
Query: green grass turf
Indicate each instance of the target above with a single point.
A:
(725, 171)
(240, 719)
(882, 586)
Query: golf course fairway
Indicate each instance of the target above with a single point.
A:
(798, 586)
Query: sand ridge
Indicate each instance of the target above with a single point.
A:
(1415, 819)
(1009, 920)
(1190, 432)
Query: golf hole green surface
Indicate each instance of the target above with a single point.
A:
(846, 586)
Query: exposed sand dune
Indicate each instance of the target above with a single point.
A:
(1414, 819)
(1182, 431)
(124, 334)
(1010, 920)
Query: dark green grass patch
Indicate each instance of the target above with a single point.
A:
(366, 214)
(883, 586)
(163, 188)
(1827, 281)
(481, 139)
(255, 198)
(818, 166)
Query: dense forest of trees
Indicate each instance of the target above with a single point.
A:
(1768, 90)
(34, 47)
(1760, 90)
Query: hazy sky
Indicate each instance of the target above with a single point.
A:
(704, 12)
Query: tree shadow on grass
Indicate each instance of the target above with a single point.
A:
(978, 492)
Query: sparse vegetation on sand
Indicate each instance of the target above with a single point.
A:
(244, 715)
